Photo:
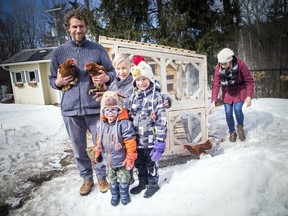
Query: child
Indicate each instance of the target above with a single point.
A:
(149, 118)
(122, 82)
(117, 144)
(124, 79)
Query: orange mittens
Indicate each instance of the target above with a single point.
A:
(129, 161)
(98, 155)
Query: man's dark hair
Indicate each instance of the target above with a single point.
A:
(78, 14)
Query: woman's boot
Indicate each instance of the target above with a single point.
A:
(233, 137)
(241, 133)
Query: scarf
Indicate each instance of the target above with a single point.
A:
(228, 76)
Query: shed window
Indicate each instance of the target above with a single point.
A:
(32, 76)
(18, 76)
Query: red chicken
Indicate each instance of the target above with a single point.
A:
(68, 69)
(197, 150)
(93, 70)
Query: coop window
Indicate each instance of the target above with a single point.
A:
(170, 85)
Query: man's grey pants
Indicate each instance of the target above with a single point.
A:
(77, 127)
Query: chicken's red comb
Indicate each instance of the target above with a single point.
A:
(137, 59)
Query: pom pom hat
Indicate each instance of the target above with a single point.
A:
(225, 55)
(141, 68)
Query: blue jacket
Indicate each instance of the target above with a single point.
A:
(121, 131)
(77, 101)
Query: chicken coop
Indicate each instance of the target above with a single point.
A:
(183, 76)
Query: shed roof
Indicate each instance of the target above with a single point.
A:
(30, 55)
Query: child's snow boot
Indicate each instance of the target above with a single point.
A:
(114, 188)
(151, 190)
(139, 188)
(241, 133)
(124, 194)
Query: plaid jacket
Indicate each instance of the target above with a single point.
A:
(149, 116)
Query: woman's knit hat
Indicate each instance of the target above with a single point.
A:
(110, 99)
(141, 68)
(225, 55)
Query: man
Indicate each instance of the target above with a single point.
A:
(79, 109)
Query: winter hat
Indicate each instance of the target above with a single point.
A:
(110, 99)
(141, 68)
(225, 55)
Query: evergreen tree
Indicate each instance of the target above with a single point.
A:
(125, 19)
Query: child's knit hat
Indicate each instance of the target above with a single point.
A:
(110, 99)
(225, 55)
(141, 68)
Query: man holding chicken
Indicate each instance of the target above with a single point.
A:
(80, 111)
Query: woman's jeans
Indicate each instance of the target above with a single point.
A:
(238, 113)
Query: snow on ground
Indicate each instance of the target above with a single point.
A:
(248, 178)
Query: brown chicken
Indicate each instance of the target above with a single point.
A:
(68, 69)
(93, 70)
(199, 149)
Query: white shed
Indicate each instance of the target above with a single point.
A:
(29, 71)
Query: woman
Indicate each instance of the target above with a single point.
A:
(237, 83)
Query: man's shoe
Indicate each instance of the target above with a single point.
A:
(86, 187)
(103, 185)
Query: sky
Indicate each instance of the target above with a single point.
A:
(247, 178)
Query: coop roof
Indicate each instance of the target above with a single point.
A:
(146, 46)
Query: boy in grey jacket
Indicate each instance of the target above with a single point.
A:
(116, 144)
(149, 118)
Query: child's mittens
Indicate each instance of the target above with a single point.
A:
(98, 155)
(157, 151)
(129, 161)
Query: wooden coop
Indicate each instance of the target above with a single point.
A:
(183, 76)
